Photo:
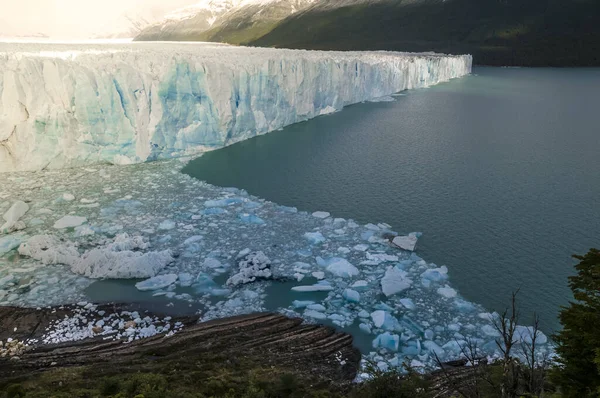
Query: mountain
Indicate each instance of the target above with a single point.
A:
(230, 21)
(496, 32)
(188, 22)
(133, 21)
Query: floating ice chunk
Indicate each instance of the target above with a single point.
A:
(12, 216)
(365, 328)
(234, 303)
(213, 211)
(464, 306)
(447, 292)
(69, 222)
(205, 284)
(524, 334)
(321, 214)
(9, 243)
(315, 237)
(68, 197)
(123, 242)
(254, 266)
(316, 307)
(319, 275)
(319, 287)
(360, 285)
(243, 253)
(49, 250)
(428, 334)
(406, 242)
(434, 348)
(361, 247)
(314, 314)
(436, 274)
(408, 303)
(301, 303)
(378, 318)
(213, 263)
(351, 295)
(381, 257)
(185, 279)
(490, 330)
(166, 225)
(157, 282)
(387, 341)
(84, 230)
(223, 202)
(105, 263)
(338, 266)
(192, 239)
(394, 281)
(251, 219)
(372, 227)
(363, 314)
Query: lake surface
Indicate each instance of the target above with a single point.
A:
(500, 171)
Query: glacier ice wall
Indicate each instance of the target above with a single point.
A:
(69, 105)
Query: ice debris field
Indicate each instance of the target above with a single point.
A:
(224, 252)
(65, 105)
(69, 235)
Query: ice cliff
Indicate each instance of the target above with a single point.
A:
(69, 105)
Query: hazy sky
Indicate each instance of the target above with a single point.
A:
(76, 18)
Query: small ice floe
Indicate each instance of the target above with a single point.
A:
(388, 341)
(115, 260)
(321, 214)
(69, 222)
(10, 242)
(319, 287)
(351, 295)
(314, 237)
(254, 266)
(157, 282)
(408, 242)
(12, 216)
(447, 292)
(338, 266)
(394, 281)
(166, 225)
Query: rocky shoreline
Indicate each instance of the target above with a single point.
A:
(273, 338)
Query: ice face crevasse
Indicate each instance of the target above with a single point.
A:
(70, 105)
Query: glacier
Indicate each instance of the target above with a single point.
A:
(66, 105)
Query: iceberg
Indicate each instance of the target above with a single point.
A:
(394, 281)
(69, 222)
(72, 105)
(156, 282)
(12, 216)
(387, 341)
(254, 266)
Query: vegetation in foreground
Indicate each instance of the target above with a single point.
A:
(577, 373)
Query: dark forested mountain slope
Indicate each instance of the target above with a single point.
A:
(496, 32)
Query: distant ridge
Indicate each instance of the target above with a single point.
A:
(496, 32)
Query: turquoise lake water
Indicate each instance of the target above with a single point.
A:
(500, 170)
